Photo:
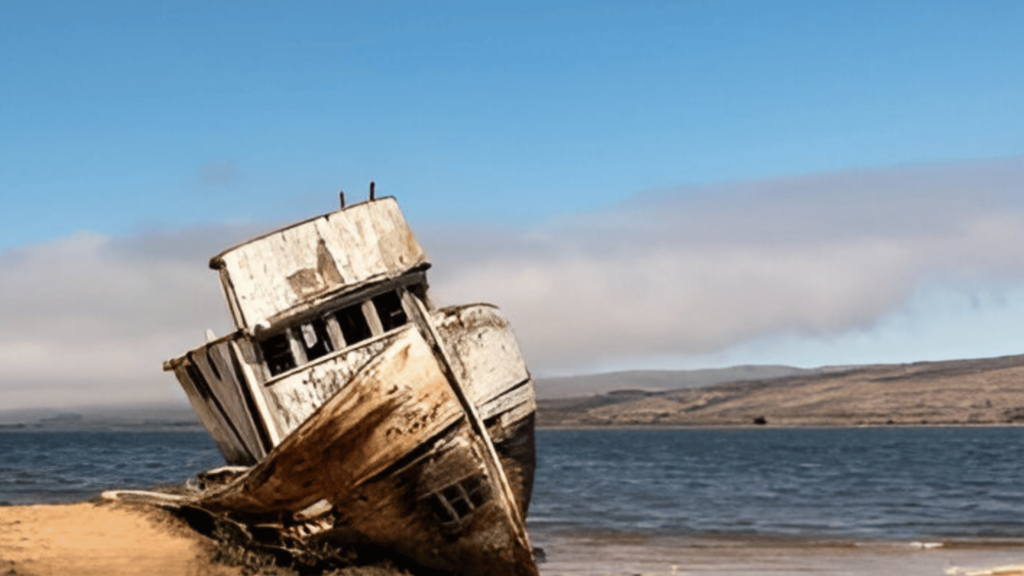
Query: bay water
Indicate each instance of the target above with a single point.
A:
(964, 484)
(619, 501)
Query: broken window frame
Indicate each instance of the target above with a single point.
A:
(411, 286)
(455, 502)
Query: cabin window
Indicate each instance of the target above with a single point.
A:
(456, 501)
(321, 336)
(277, 353)
(353, 324)
(389, 309)
(477, 490)
(315, 340)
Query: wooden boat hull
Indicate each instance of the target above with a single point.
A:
(366, 414)
(393, 458)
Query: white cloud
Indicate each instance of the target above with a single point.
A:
(89, 319)
(695, 273)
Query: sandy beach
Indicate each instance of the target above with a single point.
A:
(102, 539)
(121, 539)
(106, 539)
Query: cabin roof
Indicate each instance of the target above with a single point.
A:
(287, 271)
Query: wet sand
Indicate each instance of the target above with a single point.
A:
(618, 555)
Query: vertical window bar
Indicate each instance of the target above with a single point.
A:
(295, 342)
(370, 312)
(335, 332)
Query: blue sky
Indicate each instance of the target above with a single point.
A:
(509, 126)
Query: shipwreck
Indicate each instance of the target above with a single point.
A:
(363, 413)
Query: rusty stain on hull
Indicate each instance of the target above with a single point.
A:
(365, 414)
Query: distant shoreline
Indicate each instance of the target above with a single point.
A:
(641, 427)
(979, 392)
(984, 392)
(199, 429)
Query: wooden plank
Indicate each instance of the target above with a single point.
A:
(514, 404)
(216, 423)
(333, 260)
(396, 512)
(391, 407)
(294, 397)
(398, 247)
(378, 457)
(483, 349)
(345, 240)
(517, 523)
(243, 352)
(215, 366)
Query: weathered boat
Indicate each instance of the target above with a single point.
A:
(366, 414)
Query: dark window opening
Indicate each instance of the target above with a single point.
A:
(353, 324)
(315, 340)
(277, 353)
(389, 308)
(456, 501)
(477, 489)
(441, 510)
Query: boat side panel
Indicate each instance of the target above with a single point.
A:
(443, 510)
(392, 459)
(215, 364)
(488, 363)
(389, 409)
(215, 377)
(294, 397)
(514, 442)
(286, 271)
(484, 351)
(398, 247)
(211, 414)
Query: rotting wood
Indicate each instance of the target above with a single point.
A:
(380, 420)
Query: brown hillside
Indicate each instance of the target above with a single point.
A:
(986, 391)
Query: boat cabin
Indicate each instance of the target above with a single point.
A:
(327, 293)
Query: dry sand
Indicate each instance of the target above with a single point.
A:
(114, 539)
(102, 539)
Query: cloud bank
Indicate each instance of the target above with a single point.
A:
(89, 319)
(686, 272)
(695, 271)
